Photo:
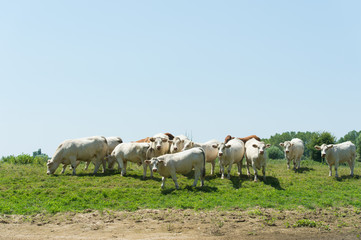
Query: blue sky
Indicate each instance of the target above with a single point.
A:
(71, 69)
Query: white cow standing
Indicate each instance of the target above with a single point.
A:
(338, 153)
(83, 149)
(293, 152)
(230, 153)
(257, 157)
(211, 152)
(132, 152)
(182, 162)
(177, 144)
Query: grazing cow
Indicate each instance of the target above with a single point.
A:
(133, 152)
(211, 153)
(293, 151)
(245, 139)
(159, 145)
(84, 149)
(182, 162)
(338, 153)
(256, 156)
(230, 153)
(177, 144)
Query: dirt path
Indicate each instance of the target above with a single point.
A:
(186, 224)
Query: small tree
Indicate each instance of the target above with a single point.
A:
(319, 139)
(275, 153)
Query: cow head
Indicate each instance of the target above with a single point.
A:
(324, 149)
(176, 145)
(261, 147)
(287, 145)
(221, 148)
(154, 163)
(188, 145)
(158, 142)
(52, 166)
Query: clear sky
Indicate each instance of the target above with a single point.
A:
(71, 69)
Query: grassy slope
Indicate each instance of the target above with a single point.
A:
(26, 189)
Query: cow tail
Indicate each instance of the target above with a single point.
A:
(204, 163)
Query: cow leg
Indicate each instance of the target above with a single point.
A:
(197, 174)
(239, 165)
(336, 169)
(104, 163)
(86, 165)
(174, 177)
(163, 182)
(97, 165)
(330, 170)
(73, 164)
(229, 170)
(255, 172)
(288, 164)
(221, 168)
(352, 166)
(248, 172)
(151, 171)
(294, 164)
(213, 163)
(124, 169)
(145, 166)
(64, 167)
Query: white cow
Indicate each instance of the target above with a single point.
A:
(159, 145)
(256, 156)
(230, 153)
(133, 152)
(338, 153)
(211, 153)
(293, 152)
(84, 149)
(182, 162)
(177, 144)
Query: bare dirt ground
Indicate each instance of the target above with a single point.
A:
(186, 224)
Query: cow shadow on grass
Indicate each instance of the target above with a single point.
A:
(140, 177)
(272, 181)
(304, 169)
(206, 189)
(344, 177)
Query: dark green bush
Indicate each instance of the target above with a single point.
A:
(275, 153)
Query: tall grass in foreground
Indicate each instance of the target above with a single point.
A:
(26, 189)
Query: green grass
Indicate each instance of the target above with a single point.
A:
(27, 189)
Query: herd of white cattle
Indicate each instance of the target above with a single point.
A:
(169, 155)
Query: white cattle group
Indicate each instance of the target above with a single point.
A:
(169, 155)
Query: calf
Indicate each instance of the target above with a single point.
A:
(182, 162)
(256, 156)
(293, 152)
(338, 153)
(211, 153)
(133, 152)
(230, 153)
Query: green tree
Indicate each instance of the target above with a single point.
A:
(350, 136)
(275, 153)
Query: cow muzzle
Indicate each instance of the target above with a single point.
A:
(261, 152)
(154, 170)
(159, 147)
(220, 154)
(323, 155)
(287, 151)
(176, 149)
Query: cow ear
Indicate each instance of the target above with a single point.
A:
(282, 144)
(147, 161)
(161, 161)
(152, 139)
(228, 146)
(215, 145)
(170, 141)
(317, 147)
(268, 145)
(329, 146)
(255, 146)
(182, 140)
(164, 140)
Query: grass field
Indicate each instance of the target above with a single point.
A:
(26, 189)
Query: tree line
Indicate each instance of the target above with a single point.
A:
(310, 139)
